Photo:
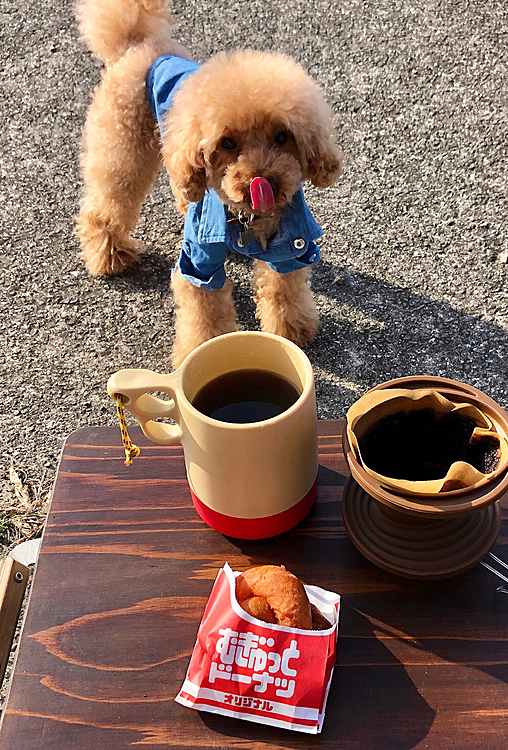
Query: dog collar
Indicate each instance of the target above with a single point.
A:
(247, 235)
(209, 220)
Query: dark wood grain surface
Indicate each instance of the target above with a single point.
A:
(126, 567)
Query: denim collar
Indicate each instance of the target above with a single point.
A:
(297, 221)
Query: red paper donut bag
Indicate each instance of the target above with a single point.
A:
(257, 671)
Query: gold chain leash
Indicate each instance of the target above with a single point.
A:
(131, 450)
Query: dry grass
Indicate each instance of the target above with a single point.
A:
(24, 503)
(23, 508)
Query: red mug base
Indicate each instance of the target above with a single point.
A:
(257, 528)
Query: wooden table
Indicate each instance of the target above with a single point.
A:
(125, 570)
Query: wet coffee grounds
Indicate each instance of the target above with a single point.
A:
(422, 445)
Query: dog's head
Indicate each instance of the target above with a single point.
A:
(251, 114)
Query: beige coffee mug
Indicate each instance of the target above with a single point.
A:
(249, 481)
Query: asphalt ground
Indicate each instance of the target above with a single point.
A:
(413, 278)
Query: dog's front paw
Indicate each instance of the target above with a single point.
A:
(300, 330)
(285, 305)
(305, 333)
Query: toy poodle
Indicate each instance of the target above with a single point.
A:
(238, 136)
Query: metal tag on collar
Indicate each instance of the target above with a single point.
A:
(245, 238)
(247, 235)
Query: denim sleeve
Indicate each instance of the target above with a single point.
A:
(203, 265)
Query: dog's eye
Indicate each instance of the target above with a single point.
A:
(229, 144)
(281, 138)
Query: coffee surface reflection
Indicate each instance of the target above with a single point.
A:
(246, 396)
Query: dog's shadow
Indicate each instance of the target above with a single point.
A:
(371, 331)
(151, 274)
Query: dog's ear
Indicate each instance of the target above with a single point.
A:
(185, 165)
(321, 159)
(319, 155)
(324, 164)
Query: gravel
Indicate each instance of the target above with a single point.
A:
(414, 276)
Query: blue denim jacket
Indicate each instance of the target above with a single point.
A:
(163, 80)
(208, 238)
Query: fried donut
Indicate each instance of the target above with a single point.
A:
(273, 594)
(319, 621)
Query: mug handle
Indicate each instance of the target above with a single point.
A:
(133, 387)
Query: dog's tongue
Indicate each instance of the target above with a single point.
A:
(261, 194)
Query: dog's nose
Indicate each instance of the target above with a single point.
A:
(261, 194)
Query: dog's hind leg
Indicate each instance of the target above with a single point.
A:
(200, 315)
(284, 303)
(120, 161)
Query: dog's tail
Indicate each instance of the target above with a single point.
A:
(110, 27)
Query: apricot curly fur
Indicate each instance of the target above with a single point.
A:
(247, 94)
(200, 315)
(284, 303)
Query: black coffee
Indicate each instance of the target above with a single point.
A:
(421, 445)
(246, 396)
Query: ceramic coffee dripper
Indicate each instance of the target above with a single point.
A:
(249, 481)
(418, 535)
